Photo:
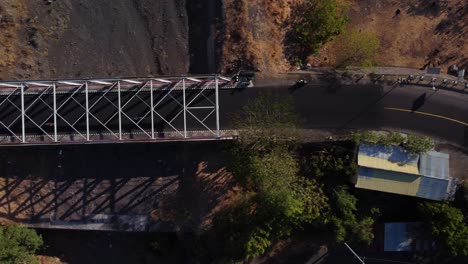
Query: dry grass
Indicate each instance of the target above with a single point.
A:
(18, 57)
(24, 39)
(255, 31)
(48, 260)
(419, 35)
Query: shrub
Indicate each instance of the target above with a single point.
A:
(319, 21)
(418, 144)
(412, 143)
(356, 48)
(18, 244)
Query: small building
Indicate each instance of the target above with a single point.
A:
(392, 169)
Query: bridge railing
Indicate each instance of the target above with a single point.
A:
(111, 110)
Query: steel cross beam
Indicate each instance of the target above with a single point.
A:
(111, 110)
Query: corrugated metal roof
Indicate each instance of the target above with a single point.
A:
(391, 158)
(434, 164)
(406, 236)
(432, 188)
(392, 169)
(388, 181)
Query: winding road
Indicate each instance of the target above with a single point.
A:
(441, 113)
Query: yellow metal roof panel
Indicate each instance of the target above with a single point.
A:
(391, 158)
(388, 181)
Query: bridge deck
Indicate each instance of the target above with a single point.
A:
(111, 110)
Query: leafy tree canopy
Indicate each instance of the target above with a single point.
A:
(346, 225)
(319, 21)
(276, 198)
(18, 245)
(267, 122)
(356, 48)
(448, 225)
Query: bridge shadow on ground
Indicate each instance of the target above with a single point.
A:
(164, 182)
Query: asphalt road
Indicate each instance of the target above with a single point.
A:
(373, 107)
(440, 113)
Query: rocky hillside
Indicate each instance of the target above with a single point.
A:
(88, 38)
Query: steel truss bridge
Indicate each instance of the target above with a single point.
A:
(111, 110)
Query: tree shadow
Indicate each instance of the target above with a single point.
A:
(426, 8)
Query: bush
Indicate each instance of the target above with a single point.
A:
(18, 244)
(366, 136)
(393, 138)
(412, 143)
(356, 48)
(418, 144)
(319, 21)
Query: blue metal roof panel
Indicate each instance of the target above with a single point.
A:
(406, 236)
(434, 164)
(432, 188)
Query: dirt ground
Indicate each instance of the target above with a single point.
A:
(413, 33)
(70, 39)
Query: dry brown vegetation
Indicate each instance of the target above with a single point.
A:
(254, 32)
(15, 54)
(413, 33)
(48, 260)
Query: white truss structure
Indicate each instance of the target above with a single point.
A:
(111, 110)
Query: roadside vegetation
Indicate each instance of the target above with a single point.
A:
(276, 199)
(356, 48)
(283, 190)
(321, 21)
(412, 143)
(18, 245)
(287, 187)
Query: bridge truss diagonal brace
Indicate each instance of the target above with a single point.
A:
(186, 105)
(189, 94)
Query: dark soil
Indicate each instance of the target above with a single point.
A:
(104, 38)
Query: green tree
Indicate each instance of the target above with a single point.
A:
(266, 122)
(418, 144)
(319, 21)
(276, 199)
(18, 244)
(345, 223)
(448, 226)
(356, 48)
